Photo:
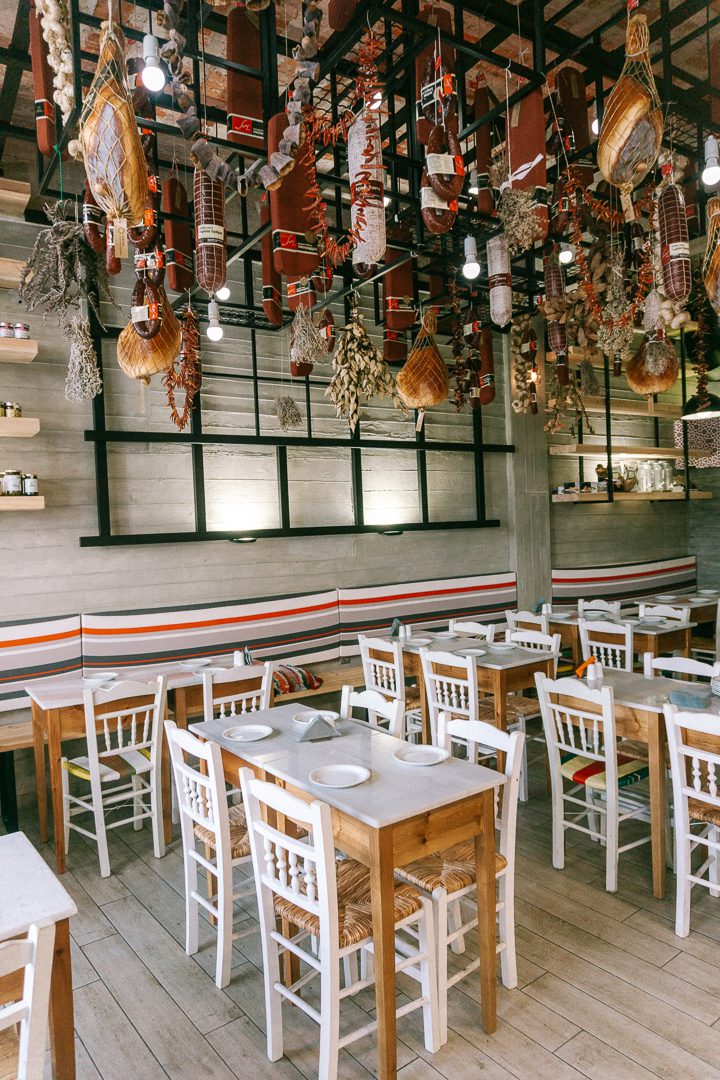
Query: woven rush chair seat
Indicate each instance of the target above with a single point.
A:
(518, 707)
(118, 767)
(639, 750)
(354, 905)
(452, 869)
(700, 811)
(582, 770)
(412, 697)
(239, 840)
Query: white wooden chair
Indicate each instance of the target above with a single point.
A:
(244, 688)
(449, 876)
(475, 629)
(214, 837)
(665, 611)
(450, 686)
(610, 643)
(680, 665)
(694, 745)
(384, 672)
(377, 708)
(610, 607)
(300, 881)
(24, 1022)
(525, 620)
(582, 749)
(123, 731)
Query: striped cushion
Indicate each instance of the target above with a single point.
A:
(289, 679)
(624, 581)
(116, 767)
(34, 649)
(582, 770)
(423, 604)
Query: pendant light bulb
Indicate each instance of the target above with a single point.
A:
(566, 254)
(386, 201)
(473, 186)
(595, 123)
(223, 293)
(153, 76)
(214, 330)
(471, 269)
(711, 172)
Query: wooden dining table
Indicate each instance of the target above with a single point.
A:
(399, 814)
(31, 894)
(648, 640)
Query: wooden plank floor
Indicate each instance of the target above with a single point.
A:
(606, 989)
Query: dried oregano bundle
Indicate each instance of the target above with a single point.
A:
(358, 371)
(288, 413)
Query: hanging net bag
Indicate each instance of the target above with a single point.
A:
(423, 381)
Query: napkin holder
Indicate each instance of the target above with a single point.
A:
(690, 699)
(317, 730)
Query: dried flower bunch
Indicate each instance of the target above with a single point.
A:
(514, 207)
(616, 330)
(359, 372)
(83, 381)
(307, 344)
(566, 398)
(288, 413)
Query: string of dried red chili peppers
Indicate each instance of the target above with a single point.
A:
(571, 185)
(187, 376)
(319, 131)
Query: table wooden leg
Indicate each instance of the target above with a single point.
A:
(40, 779)
(575, 645)
(166, 786)
(62, 1034)
(424, 710)
(382, 889)
(485, 871)
(686, 645)
(658, 800)
(54, 759)
(180, 706)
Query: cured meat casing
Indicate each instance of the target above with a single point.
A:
(178, 238)
(499, 280)
(245, 124)
(483, 150)
(442, 19)
(674, 244)
(210, 238)
(526, 136)
(271, 279)
(42, 88)
(367, 188)
(486, 372)
(398, 293)
(294, 246)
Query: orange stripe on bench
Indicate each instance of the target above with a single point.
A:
(112, 631)
(40, 638)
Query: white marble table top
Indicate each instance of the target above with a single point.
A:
(635, 691)
(491, 658)
(63, 691)
(29, 891)
(392, 793)
(638, 625)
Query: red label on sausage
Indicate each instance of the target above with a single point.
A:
(496, 281)
(44, 109)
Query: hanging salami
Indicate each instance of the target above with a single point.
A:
(427, 75)
(486, 371)
(674, 243)
(271, 279)
(340, 12)
(210, 239)
(438, 214)
(557, 336)
(301, 293)
(42, 87)
(483, 149)
(294, 246)
(323, 278)
(367, 191)
(472, 326)
(245, 124)
(398, 293)
(394, 346)
(444, 162)
(326, 326)
(93, 221)
(178, 237)
(499, 280)
(525, 141)
(573, 101)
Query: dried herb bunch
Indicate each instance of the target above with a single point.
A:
(307, 344)
(288, 413)
(359, 372)
(83, 381)
(523, 364)
(566, 398)
(514, 208)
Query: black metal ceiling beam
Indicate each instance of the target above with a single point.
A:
(19, 43)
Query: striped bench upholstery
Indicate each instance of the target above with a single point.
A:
(34, 649)
(625, 581)
(582, 770)
(423, 604)
(298, 628)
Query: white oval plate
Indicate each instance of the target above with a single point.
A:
(412, 756)
(247, 733)
(195, 665)
(471, 652)
(666, 597)
(444, 635)
(697, 601)
(502, 646)
(339, 776)
(306, 716)
(418, 641)
(708, 592)
(653, 620)
(559, 615)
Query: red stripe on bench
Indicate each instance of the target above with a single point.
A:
(622, 577)
(112, 631)
(374, 599)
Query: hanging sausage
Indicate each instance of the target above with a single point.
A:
(294, 246)
(42, 87)
(178, 237)
(394, 346)
(340, 12)
(301, 293)
(483, 392)
(499, 280)
(210, 238)
(367, 192)
(557, 336)
(438, 214)
(483, 149)
(271, 279)
(398, 292)
(573, 101)
(472, 325)
(245, 124)
(444, 162)
(674, 243)
(427, 78)
(525, 145)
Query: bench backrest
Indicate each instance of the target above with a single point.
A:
(34, 650)
(625, 581)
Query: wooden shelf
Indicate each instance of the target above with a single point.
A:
(22, 502)
(17, 350)
(14, 197)
(18, 427)
(10, 273)
(629, 496)
(599, 450)
(639, 407)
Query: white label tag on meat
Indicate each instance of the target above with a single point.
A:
(679, 250)
(210, 234)
(441, 164)
(139, 313)
(120, 238)
(429, 198)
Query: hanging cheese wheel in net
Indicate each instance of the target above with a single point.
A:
(399, 292)
(525, 140)
(340, 12)
(210, 236)
(632, 123)
(245, 125)
(271, 279)
(425, 74)
(674, 243)
(141, 358)
(499, 280)
(394, 346)
(294, 246)
(483, 149)
(178, 236)
(42, 88)
(367, 190)
(573, 101)
(711, 262)
(301, 293)
(424, 381)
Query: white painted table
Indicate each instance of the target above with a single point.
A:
(30, 893)
(648, 640)
(399, 814)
